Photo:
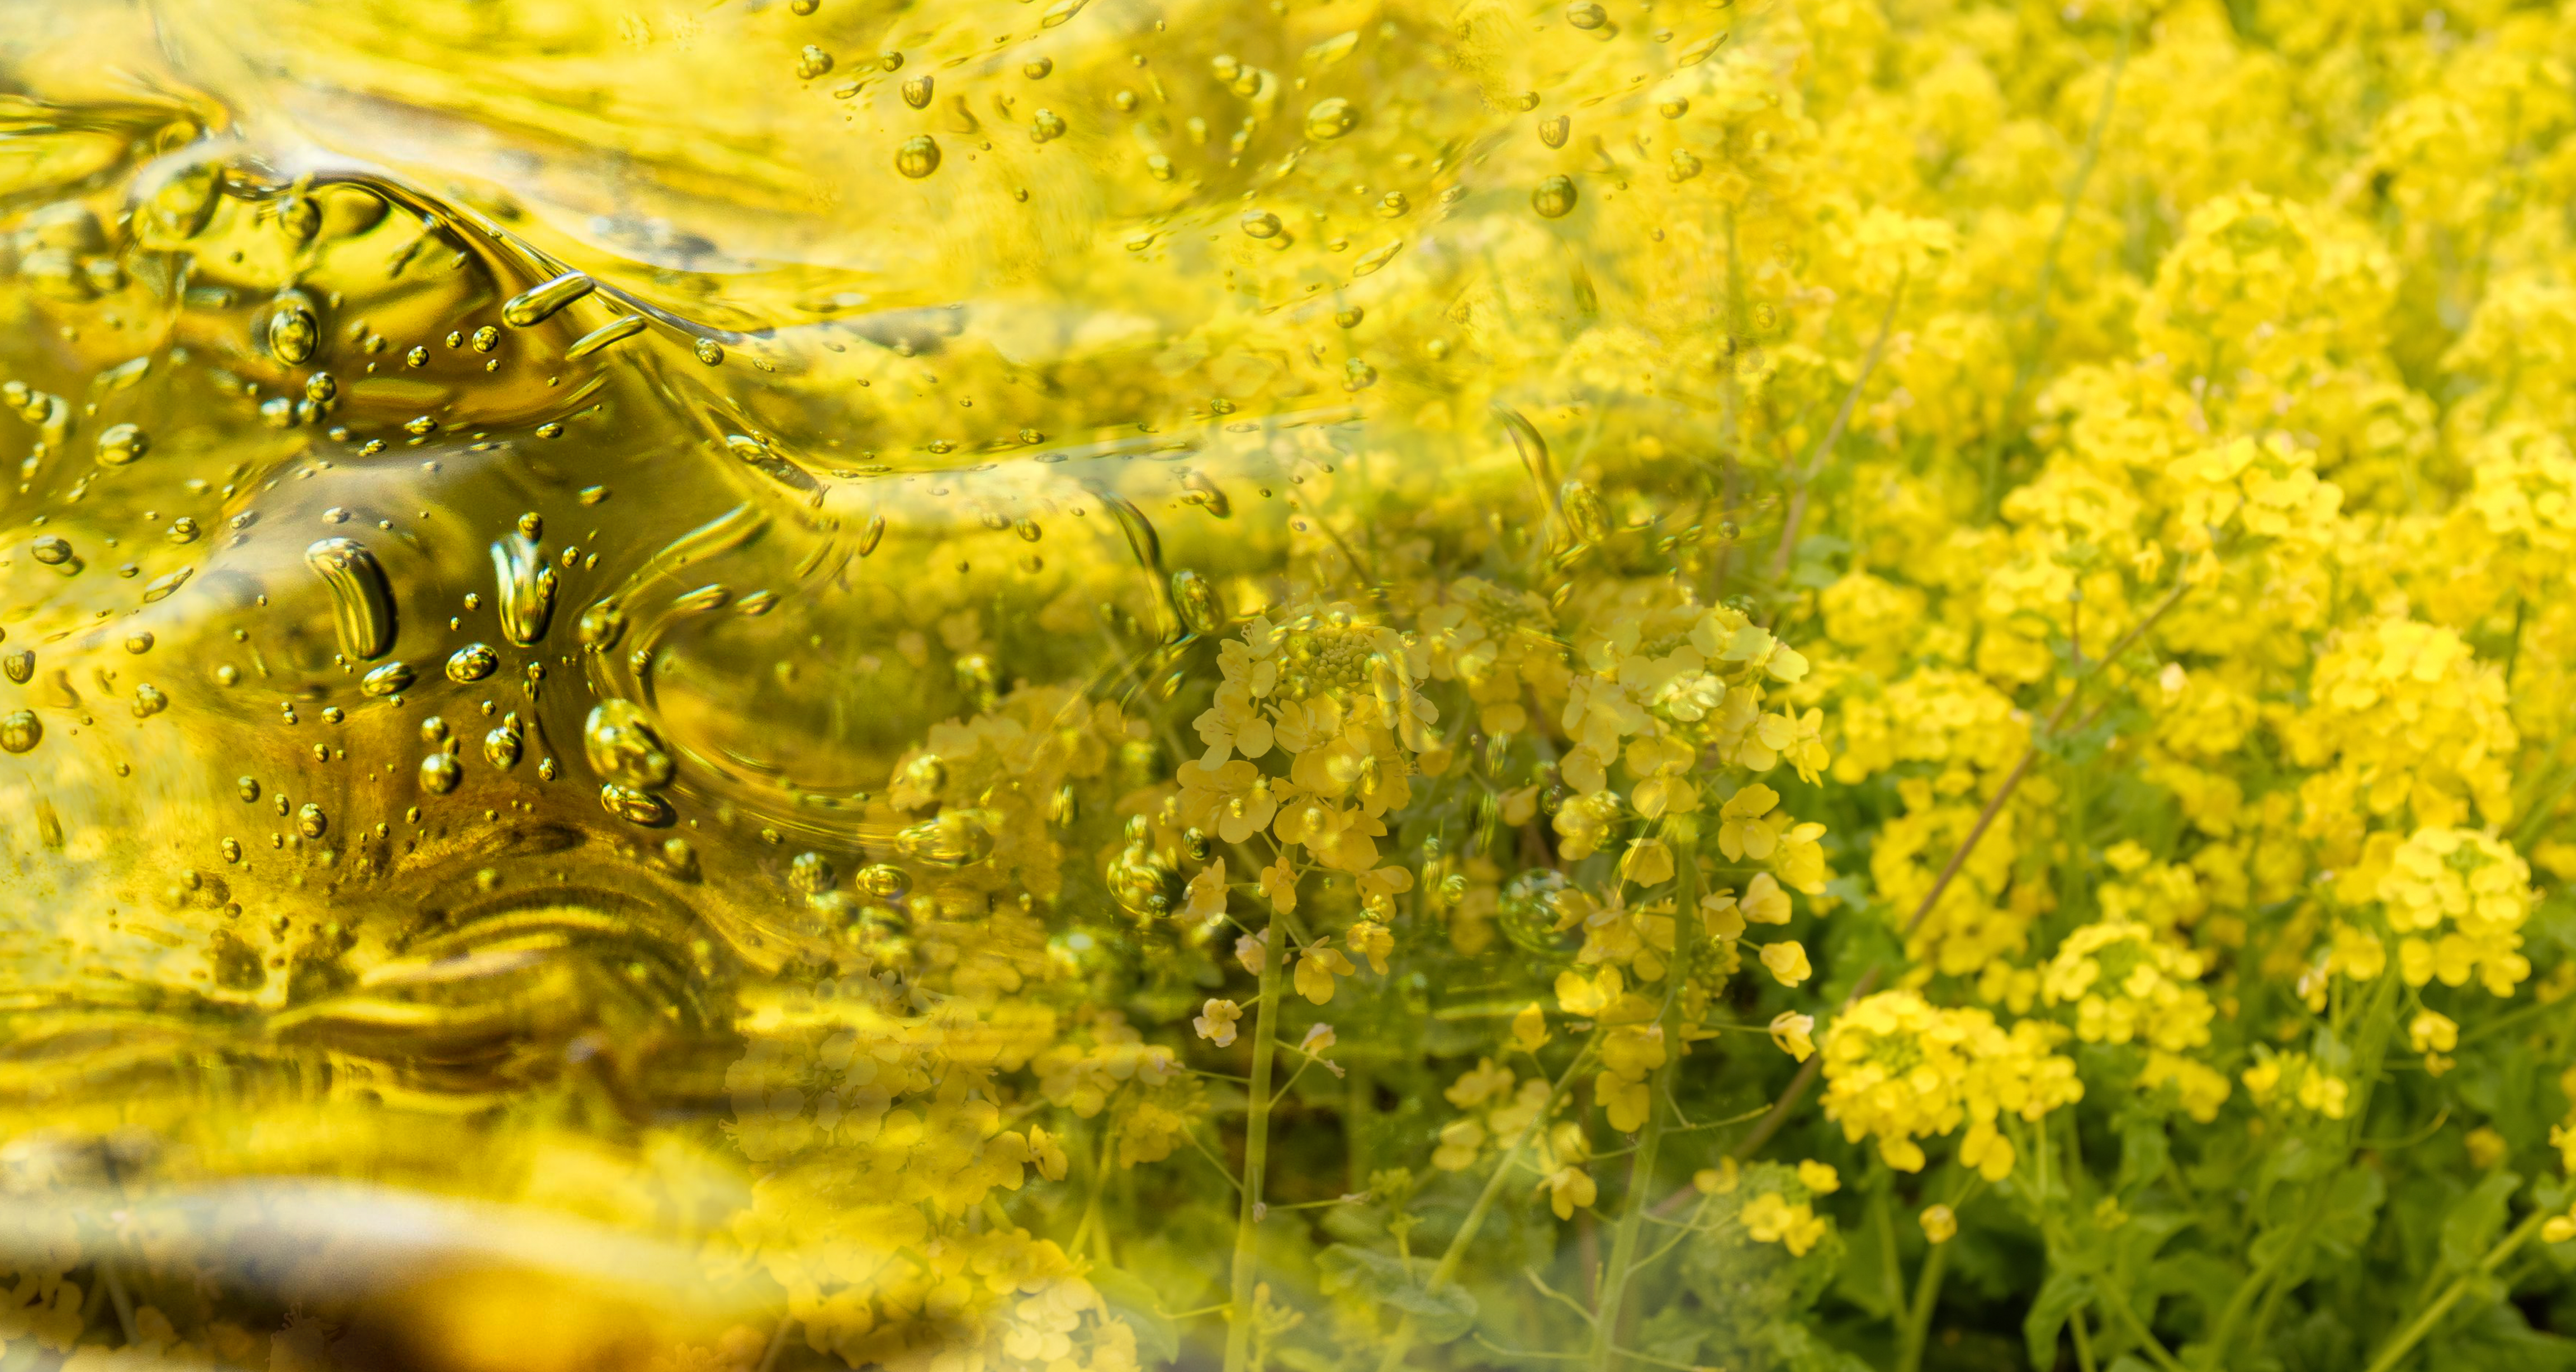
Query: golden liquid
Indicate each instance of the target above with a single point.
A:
(467, 719)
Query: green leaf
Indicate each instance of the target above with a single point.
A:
(1439, 1315)
(2352, 1211)
(1132, 1298)
(2475, 1219)
(2059, 1297)
(2143, 1151)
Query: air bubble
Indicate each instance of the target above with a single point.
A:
(918, 156)
(120, 444)
(21, 731)
(362, 599)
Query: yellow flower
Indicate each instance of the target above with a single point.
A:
(1939, 1225)
(1205, 897)
(1791, 1031)
(1770, 1219)
(1529, 1028)
(1587, 997)
(1231, 723)
(1460, 1141)
(1764, 901)
(1741, 832)
(1720, 1180)
(1625, 1100)
(1316, 970)
(1371, 940)
(1568, 1189)
(1819, 1177)
(1649, 862)
(2432, 1032)
(2486, 1148)
(1788, 962)
(1216, 1021)
(1279, 887)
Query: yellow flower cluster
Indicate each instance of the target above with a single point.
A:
(2129, 985)
(1899, 1069)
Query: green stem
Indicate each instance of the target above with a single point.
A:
(1446, 1270)
(1918, 1321)
(2118, 1304)
(1641, 1168)
(2083, 1343)
(1256, 1153)
(2367, 1061)
(2423, 1324)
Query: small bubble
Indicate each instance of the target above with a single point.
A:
(393, 678)
(417, 357)
(538, 303)
(812, 62)
(1684, 165)
(1330, 118)
(1585, 14)
(149, 700)
(503, 746)
(1393, 205)
(1674, 108)
(321, 388)
(1554, 198)
(1158, 167)
(472, 663)
(122, 443)
(918, 90)
(918, 156)
(439, 774)
(21, 731)
(299, 218)
(1552, 131)
(486, 339)
(801, 8)
(884, 881)
(633, 806)
(248, 788)
(710, 352)
(138, 643)
(1584, 512)
(1037, 69)
(1349, 316)
(890, 60)
(293, 331)
(310, 821)
(1046, 126)
(1260, 224)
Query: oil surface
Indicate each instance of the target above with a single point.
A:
(509, 497)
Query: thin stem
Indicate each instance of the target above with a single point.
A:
(1918, 1321)
(1256, 1153)
(2118, 1304)
(2026, 367)
(1445, 1270)
(1834, 432)
(2083, 1343)
(1641, 1168)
